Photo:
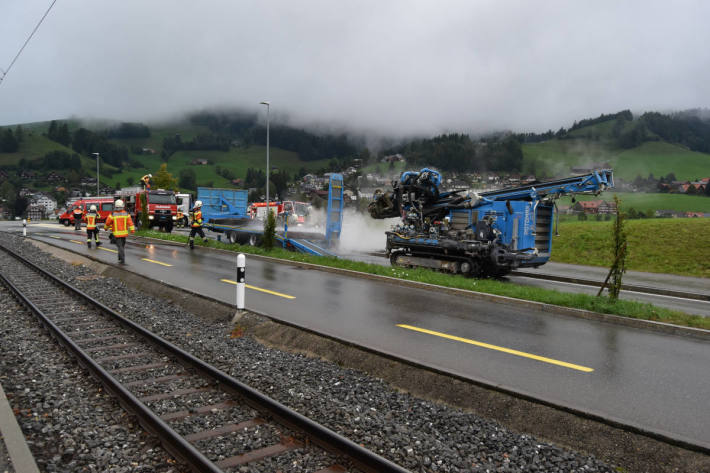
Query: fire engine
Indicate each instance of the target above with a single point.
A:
(162, 207)
(257, 210)
(104, 206)
(297, 212)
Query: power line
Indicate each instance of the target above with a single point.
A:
(4, 73)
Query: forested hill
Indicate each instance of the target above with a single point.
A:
(690, 128)
(635, 144)
(650, 143)
(248, 131)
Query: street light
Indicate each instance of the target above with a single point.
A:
(268, 104)
(97, 172)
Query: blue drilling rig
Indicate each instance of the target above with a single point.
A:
(478, 235)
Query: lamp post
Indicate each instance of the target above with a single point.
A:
(268, 104)
(97, 172)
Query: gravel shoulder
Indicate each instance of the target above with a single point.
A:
(421, 420)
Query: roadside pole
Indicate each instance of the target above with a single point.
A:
(241, 285)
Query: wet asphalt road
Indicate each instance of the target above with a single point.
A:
(638, 377)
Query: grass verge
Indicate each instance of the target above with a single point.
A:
(602, 305)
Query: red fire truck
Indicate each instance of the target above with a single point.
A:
(104, 206)
(298, 212)
(162, 207)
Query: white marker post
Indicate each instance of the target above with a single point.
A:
(241, 280)
(24, 227)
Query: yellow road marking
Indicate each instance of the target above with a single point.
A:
(108, 249)
(497, 348)
(78, 242)
(156, 262)
(286, 296)
(55, 237)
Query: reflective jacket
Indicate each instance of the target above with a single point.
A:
(91, 221)
(119, 223)
(77, 212)
(197, 219)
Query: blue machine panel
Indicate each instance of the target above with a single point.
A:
(334, 220)
(222, 203)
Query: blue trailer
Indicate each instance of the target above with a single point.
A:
(225, 211)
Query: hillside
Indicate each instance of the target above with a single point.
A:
(555, 157)
(232, 143)
(633, 146)
(237, 160)
(233, 162)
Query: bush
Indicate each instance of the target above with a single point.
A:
(144, 213)
(269, 231)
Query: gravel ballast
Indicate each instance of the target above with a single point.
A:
(417, 434)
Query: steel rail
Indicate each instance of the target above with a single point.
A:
(171, 440)
(361, 458)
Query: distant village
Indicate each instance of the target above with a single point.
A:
(362, 188)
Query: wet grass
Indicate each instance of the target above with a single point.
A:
(671, 245)
(602, 304)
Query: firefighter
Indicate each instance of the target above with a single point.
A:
(196, 229)
(146, 181)
(77, 214)
(119, 223)
(91, 228)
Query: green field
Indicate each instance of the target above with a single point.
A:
(643, 202)
(674, 246)
(237, 160)
(33, 146)
(556, 157)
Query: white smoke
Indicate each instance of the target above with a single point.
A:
(361, 233)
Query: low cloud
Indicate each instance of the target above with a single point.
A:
(381, 68)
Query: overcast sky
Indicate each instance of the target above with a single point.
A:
(389, 67)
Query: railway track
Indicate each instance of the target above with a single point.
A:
(162, 385)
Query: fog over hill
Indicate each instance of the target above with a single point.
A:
(384, 68)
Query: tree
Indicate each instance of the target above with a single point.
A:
(8, 193)
(143, 217)
(63, 135)
(8, 143)
(365, 155)
(269, 230)
(20, 206)
(164, 180)
(618, 267)
(280, 183)
(188, 179)
(19, 134)
(52, 133)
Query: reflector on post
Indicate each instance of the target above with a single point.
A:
(241, 280)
